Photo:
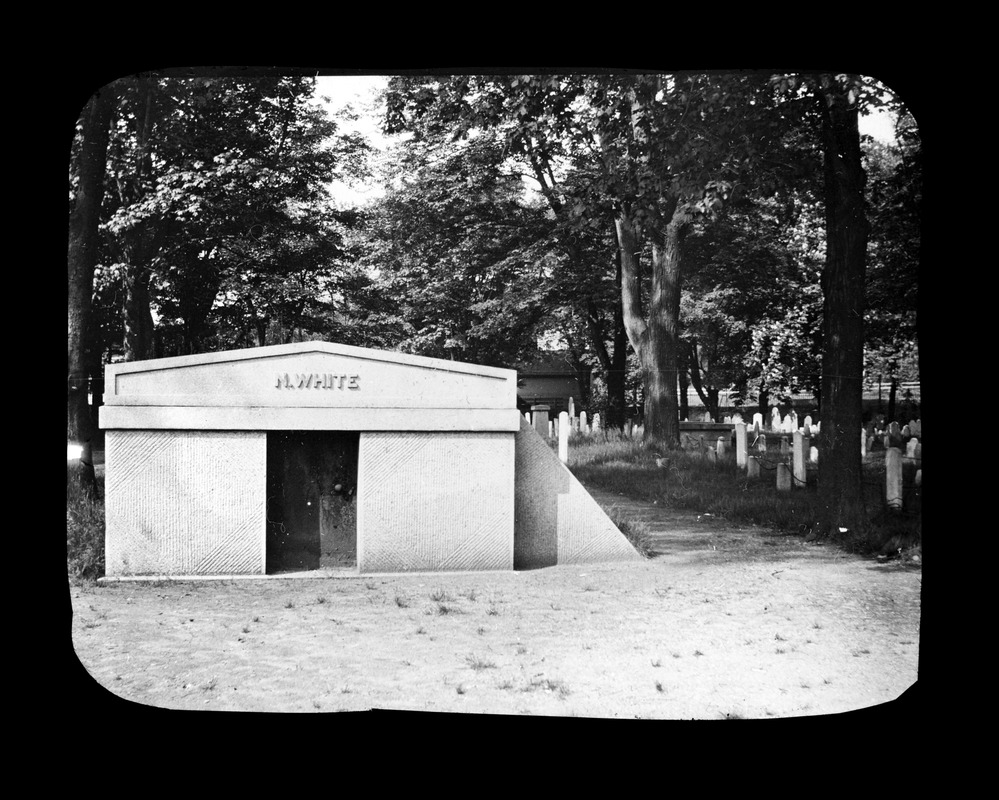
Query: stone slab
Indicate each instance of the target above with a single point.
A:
(435, 502)
(557, 521)
(185, 502)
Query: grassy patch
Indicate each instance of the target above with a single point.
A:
(84, 535)
(685, 480)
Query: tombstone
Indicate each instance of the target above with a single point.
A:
(627, 428)
(753, 468)
(539, 414)
(863, 443)
(711, 456)
(761, 443)
(788, 425)
(737, 417)
(757, 422)
(596, 423)
(813, 455)
(584, 428)
(893, 478)
(910, 448)
(775, 419)
(572, 408)
(313, 455)
(808, 423)
(721, 446)
(563, 437)
(799, 469)
(741, 451)
(783, 477)
(784, 448)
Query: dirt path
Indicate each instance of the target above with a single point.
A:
(726, 622)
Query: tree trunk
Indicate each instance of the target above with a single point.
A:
(137, 317)
(892, 396)
(840, 483)
(84, 223)
(684, 385)
(764, 405)
(656, 339)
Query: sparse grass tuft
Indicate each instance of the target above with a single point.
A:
(402, 602)
(440, 596)
(477, 663)
(554, 685)
(635, 532)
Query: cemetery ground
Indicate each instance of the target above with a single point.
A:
(726, 621)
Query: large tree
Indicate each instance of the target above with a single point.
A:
(219, 222)
(86, 198)
(840, 478)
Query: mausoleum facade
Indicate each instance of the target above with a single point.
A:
(321, 456)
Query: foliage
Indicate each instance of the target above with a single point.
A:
(458, 252)
(84, 534)
(217, 206)
(894, 192)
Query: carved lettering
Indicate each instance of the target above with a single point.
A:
(325, 380)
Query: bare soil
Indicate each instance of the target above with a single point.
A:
(725, 622)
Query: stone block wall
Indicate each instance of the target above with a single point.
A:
(435, 501)
(185, 502)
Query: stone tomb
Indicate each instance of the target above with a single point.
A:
(320, 456)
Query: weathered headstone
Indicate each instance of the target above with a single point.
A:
(813, 455)
(753, 467)
(584, 427)
(783, 477)
(563, 437)
(741, 451)
(540, 415)
(596, 422)
(798, 459)
(893, 478)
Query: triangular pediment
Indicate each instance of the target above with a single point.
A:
(309, 375)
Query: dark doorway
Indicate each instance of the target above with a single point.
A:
(311, 508)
